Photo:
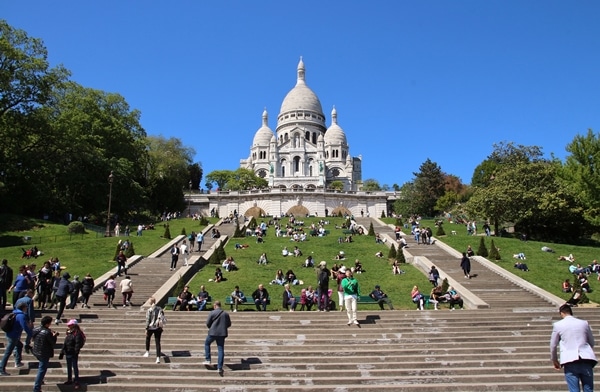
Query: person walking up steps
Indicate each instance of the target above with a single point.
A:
(351, 294)
(218, 323)
(154, 326)
(574, 339)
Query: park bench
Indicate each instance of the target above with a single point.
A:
(171, 301)
(249, 301)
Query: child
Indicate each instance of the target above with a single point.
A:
(74, 341)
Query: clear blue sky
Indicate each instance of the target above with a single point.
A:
(410, 80)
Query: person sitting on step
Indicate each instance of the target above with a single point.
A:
(183, 300)
(454, 298)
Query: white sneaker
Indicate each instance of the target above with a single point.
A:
(349, 322)
(234, 310)
(157, 359)
(146, 354)
(355, 322)
(206, 363)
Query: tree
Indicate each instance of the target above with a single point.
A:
(429, 187)
(482, 250)
(582, 172)
(392, 252)
(195, 170)
(405, 203)
(504, 154)
(243, 179)
(494, 252)
(27, 84)
(219, 177)
(371, 230)
(371, 185)
(531, 196)
(336, 185)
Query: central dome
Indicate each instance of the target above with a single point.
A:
(301, 97)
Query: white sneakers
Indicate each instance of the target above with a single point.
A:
(157, 359)
(146, 354)
(206, 363)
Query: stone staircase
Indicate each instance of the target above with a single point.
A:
(504, 347)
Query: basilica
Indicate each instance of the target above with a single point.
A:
(303, 153)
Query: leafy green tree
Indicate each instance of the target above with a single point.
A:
(336, 185)
(531, 196)
(130, 251)
(27, 85)
(582, 172)
(242, 179)
(504, 154)
(405, 203)
(482, 250)
(429, 187)
(195, 170)
(219, 177)
(371, 185)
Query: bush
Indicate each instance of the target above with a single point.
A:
(482, 250)
(167, 234)
(383, 214)
(392, 253)
(239, 233)
(494, 252)
(400, 256)
(399, 222)
(371, 230)
(129, 251)
(76, 227)
(178, 287)
(204, 221)
(252, 223)
(445, 285)
(440, 230)
(220, 251)
(214, 258)
(183, 231)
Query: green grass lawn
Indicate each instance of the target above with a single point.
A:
(250, 274)
(545, 270)
(94, 254)
(81, 254)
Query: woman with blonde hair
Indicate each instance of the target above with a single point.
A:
(417, 297)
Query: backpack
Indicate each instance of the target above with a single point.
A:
(83, 338)
(161, 319)
(8, 322)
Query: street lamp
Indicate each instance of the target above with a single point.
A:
(190, 200)
(111, 178)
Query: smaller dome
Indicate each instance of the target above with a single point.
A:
(264, 134)
(335, 134)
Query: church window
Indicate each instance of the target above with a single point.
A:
(286, 137)
(307, 135)
(262, 173)
(335, 172)
(282, 171)
(293, 114)
(314, 138)
(310, 170)
(326, 154)
(287, 116)
(296, 164)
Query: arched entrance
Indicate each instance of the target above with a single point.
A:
(256, 212)
(340, 210)
(298, 211)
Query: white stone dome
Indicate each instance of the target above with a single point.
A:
(264, 134)
(335, 134)
(301, 97)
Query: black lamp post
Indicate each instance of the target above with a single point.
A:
(111, 178)
(190, 199)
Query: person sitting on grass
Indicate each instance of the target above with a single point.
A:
(262, 260)
(279, 278)
(575, 298)
(567, 287)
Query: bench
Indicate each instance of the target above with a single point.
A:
(249, 301)
(171, 301)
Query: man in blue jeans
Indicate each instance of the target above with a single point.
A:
(13, 338)
(44, 340)
(575, 340)
(218, 322)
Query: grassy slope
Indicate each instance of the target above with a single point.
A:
(93, 254)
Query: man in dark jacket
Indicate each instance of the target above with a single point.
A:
(65, 287)
(44, 340)
(13, 338)
(218, 322)
(323, 287)
(6, 277)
